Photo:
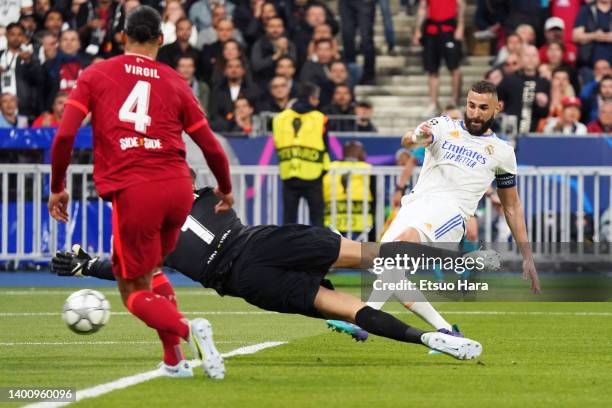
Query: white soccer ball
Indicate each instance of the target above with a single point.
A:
(86, 311)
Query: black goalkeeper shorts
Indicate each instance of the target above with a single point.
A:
(281, 268)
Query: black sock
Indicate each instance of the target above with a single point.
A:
(383, 324)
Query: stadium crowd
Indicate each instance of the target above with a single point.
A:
(244, 58)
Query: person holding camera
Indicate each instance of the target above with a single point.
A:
(20, 73)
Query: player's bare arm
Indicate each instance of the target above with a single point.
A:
(513, 210)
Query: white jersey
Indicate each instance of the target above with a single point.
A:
(460, 167)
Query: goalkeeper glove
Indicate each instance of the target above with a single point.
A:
(73, 263)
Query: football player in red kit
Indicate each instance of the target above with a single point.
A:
(139, 108)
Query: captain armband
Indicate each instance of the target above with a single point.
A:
(506, 180)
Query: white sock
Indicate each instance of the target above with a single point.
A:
(376, 305)
(426, 312)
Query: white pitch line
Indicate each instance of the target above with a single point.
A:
(261, 312)
(93, 343)
(125, 382)
(221, 312)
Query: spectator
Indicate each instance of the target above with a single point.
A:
(9, 118)
(338, 74)
(568, 123)
(225, 31)
(443, 26)
(201, 12)
(304, 28)
(225, 94)
(490, 14)
(298, 130)
(527, 34)
(186, 67)
(298, 13)
(524, 94)
(242, 119)
(387, 17)
(554, 30)
(11, 10)
(54, 22)
(359, 14)
(590, 90)
(269, 48)
(555, 56)
(512, 64)
(63, 70)
(603, 123)
(452, 112)
(30, 26)
(48, 47)
(53, 118)
(316, 72)
(169, 54)
(285, 67)
(173, 12)
(222, 30)
(566, 10)
(41, 7)
(277, 98)
(495, 76)
(364, 113)
(207, 35)
(321, 32)
(513, 45)
(604, 94)
(231, 50)
(593, 34)
(95, 20)
(251, 16)
(527, 13)
(341, 111)
(560, 89)
(22, 75)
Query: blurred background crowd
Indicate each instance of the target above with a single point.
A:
(244, 58)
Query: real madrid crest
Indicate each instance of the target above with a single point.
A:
(489, 149)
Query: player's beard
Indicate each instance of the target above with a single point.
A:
(484, 126)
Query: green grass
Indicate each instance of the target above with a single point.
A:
(538, 354)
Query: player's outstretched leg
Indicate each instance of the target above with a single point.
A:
(336, 305)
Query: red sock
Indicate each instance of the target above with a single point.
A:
(171, 342)
(157, 312)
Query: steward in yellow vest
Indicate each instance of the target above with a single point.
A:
(339, 182)
(300, 138)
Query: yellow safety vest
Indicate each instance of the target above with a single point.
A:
(359, 187)
(302, 155)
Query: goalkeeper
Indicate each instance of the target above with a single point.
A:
(281, 269)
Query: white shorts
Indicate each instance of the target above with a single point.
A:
(435, 220)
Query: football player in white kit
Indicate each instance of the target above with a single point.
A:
(462, 159)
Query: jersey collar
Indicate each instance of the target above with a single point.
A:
(133, 54)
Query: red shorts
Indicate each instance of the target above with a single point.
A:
(147, 220)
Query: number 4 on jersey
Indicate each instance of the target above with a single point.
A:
(136, 106)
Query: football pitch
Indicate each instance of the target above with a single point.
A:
(535, 354)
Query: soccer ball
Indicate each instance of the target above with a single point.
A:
(86, 311)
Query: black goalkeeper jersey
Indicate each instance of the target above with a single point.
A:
(206, 245)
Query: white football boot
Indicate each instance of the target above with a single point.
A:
(459, 347)
(201, 342)
(181, 370)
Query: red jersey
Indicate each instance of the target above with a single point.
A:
(439, 11)
(139, 109)
(569, 55)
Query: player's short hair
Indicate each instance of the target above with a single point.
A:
(143, 24)
(323, 41)
(484, 87)
(14, 25)
(306, 90)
